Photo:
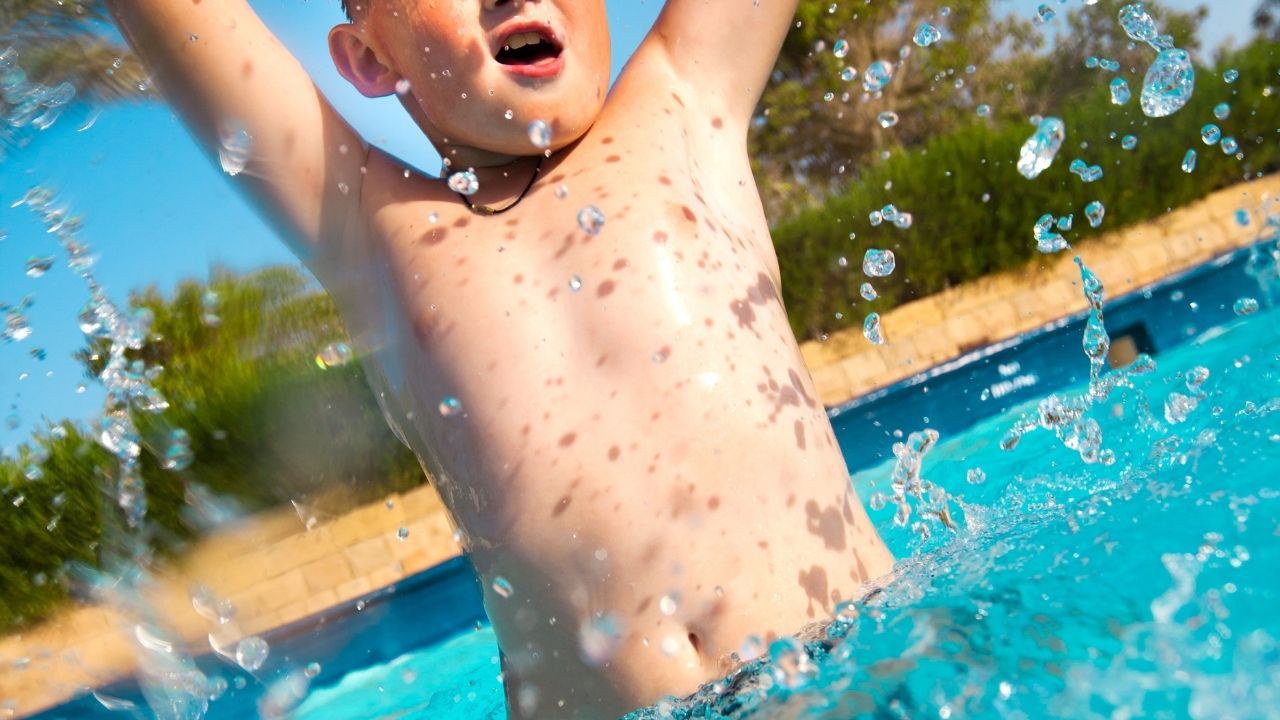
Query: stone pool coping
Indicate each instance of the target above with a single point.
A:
(277, 572)
(931, 331)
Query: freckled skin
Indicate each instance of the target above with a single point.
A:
(563, 347)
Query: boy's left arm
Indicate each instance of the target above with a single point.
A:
(724, 49)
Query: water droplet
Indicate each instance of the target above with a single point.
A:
(312, 669)
(562, 191)
(1231, 75)
(502, 587)
(177, 453)
(876, 218)
(1066, 222)
(1222, 111)
(1048, 241)
(1095, 212)
(38, 266)
(828, 97)
(903, 221)
(540, 134)
(669, 603)
(1230, 146)
(591, 220)
(1109, 65)
(575, 283)
(1120, 91)
(868, 292)
(1041, 148)
(449, 406)
(234, 147)
(1044, 14)
(877, 76)
(334, 355)
(887, 119)
(402, 534)
(984, 110)
(464, 183)
(1211, 134)
(508, 114)
(926, 35)
(1245, 306)
(841, 48)
(251, 653)
(403, 86)
(1189, 162)
(871, 329)
(1129, 142)
(976, 476)
(848, 74)
(878, 263)
(1169, 84)
(598, 639)
(1137, 23)
(1242, 217)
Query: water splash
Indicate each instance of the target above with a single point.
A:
(871, 329)
(926, 35)
(868, 291)
(464, 182)
(1189, 161)
(1120, 92)
(1169, 83)
(1138, 23)
(1095, 212)
(1210, 134)
(591, 220)
(1042, 147)
(878, 263)
(877, 75)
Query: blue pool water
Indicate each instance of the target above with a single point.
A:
(1142, 587)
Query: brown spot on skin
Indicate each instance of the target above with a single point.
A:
(763, 544)
(814, 583)
(713, 502)
(613, 158)
(605, 288)
(620, 263)
(791, 499)
(525, 430)
(567, 439)
(664, 179)
(688, 213)
(561, 506)
(614, 453)
(799, 386)
(799, 427)
(462, 222)
(519, 278)
(607, 141)
(826, 524)
(554, 179)
(660, 237)
(246, 69)
(512, 222)
(434, 236)
(644, 605)
(717, 123)
(677, 99)
(601, 359)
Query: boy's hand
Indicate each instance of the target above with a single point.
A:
(725, 49)
(229, 76)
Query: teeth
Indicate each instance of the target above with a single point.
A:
(519, 40)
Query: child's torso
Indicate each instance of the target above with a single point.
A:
(618, 417)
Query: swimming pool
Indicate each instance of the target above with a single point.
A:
(1069, 588)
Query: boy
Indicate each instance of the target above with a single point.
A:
(617, 414)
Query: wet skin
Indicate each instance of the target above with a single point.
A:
(652, 433)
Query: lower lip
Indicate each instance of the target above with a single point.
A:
(543, 69)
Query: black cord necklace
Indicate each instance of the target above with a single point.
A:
(486, 211)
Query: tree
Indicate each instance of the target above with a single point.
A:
(1266, 18)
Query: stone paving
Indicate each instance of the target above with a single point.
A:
(276, 571)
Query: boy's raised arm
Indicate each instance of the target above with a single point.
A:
(229, 76)
(725, 49)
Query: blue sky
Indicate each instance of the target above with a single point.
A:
(157, 211)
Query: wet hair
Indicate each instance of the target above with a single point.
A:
(346, 8)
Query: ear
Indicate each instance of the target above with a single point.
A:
(359, 63)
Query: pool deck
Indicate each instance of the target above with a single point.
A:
(276, 571)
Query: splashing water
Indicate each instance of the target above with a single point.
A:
(591, 220)
(1210, 134)
(1169, 84)
(540, 134)
(1120, 93)
(1222, 111)
(926, 35)
(1189, 162)
(234, 148)
(887, 119)
(464, 182)
(871, 329)
(1245, 306)
(1137, 23)
(1129, 142)
(1095, 212)
(877, 76)
(868, 292)
(878, 263)
(1042, 147)
(840, 48)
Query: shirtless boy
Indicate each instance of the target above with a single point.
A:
(620, 423)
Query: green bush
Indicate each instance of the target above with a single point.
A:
(958, 235)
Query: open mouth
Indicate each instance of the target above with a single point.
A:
(528, 48)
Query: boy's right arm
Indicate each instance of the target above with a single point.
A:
(225, 72)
